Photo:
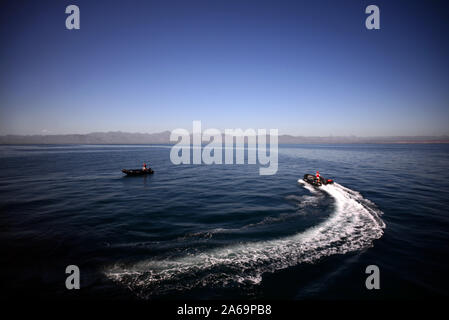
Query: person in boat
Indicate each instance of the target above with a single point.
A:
(144, 168)
(318, 176)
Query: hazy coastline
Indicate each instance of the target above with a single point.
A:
(118, 137)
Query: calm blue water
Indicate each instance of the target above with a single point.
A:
(224, 231)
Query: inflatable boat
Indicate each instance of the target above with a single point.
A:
(137, 172)
(313, 180)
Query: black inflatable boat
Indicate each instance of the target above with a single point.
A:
(137, 172)
(313, 180)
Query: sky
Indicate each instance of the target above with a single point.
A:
(306, 68)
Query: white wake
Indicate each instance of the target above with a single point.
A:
(354, 225)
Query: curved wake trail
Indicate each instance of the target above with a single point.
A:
(354, 225)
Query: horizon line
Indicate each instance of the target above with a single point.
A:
(168, 131)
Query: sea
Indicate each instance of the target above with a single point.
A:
(211, 232)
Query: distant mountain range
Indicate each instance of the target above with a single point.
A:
(118, 137)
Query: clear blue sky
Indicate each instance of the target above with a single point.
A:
(304, 67)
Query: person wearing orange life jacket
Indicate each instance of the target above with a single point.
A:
(144, 168)
(318, 176)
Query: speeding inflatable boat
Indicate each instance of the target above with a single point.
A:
(137, 172)
(317, 181)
